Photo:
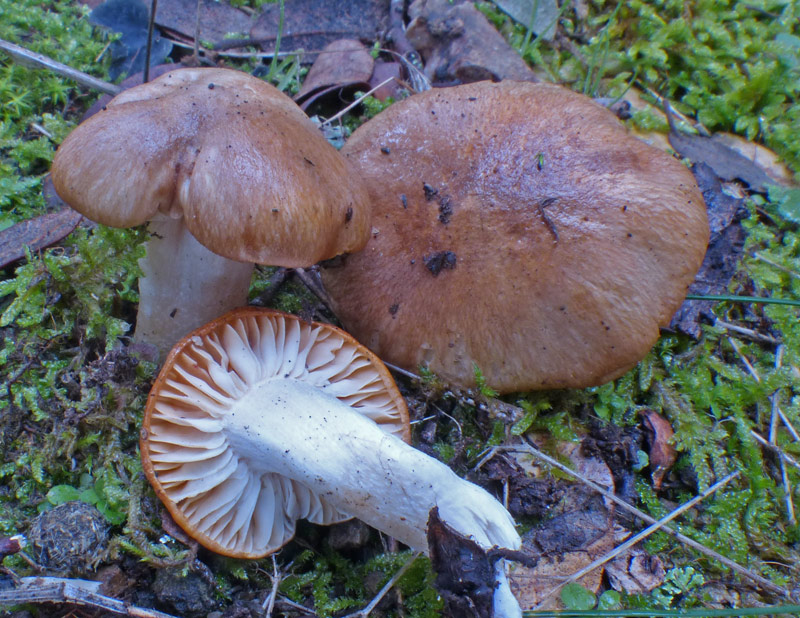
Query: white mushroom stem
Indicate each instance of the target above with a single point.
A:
(290, 427)
(184, 285)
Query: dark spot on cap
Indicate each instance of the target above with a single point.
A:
(211, 86)
(445, 210)
(384, 150)
(404, 200)
(348, 215)
(393, 309)
(441, 260)
(430, 192)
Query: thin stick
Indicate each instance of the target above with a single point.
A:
(747, 332)
(269, 602)
(639, 537)
(775, 449)
(363, 613)
(746, 362)
(311, 280)
(773, 438)
(28, 58)
(150, 28)
(745, 299)
(528, 448)
(273, 286)
(356, 102)
(79, 591)
(780, 267)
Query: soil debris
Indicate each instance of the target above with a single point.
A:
(464, 573)
(725, 249)
(70, 538)
(441, 260)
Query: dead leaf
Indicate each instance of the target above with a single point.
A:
(382, 72)
(217, 19)
(345, 62)
(727, 163)
(312, 24)
(458, 44)
(759, 155)
(586, 533)
(465, 576)
(36, 233)
(618, 449)
(725, 248)
(658, 433)
(634, 571)
(522, 11)
(580, 531)
(130, 19)
(527, 497)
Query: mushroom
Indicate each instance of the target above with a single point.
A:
(517, 227)
(228, 171)
(258, 419)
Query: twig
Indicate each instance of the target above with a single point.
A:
(224, 54)
(305, 610)
(78, 591)
(775, 449)
(776, 415)
(28, 58)
(150, 28)
(780, 267)
(528, 448)
(746, 362)
(269, 602)
(356, 102)
(273, 285)
(639, 537)
(310, 279)
(363, 613)
(746, 332)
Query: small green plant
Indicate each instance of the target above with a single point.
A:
(105, 493)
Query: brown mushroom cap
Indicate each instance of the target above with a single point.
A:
(244, 166)
(519, 228)
(232, 500)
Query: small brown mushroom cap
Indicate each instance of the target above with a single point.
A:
(519, 228)
(225, 493)
(244, 166)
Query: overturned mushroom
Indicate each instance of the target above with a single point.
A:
(259, 419)
(519, 228)
(228, 171)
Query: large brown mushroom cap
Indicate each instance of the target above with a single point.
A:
(519, 228)
(228, 493)
(244, 166)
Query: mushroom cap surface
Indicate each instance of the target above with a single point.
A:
(245, 167)
(516, 227)
(218, 494)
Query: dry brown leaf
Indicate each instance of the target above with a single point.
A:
(634, 571)
(662, 454)
(345, 62)
(459, 44)
(37, 233)
(569, 541)
(217, 19)
(312, 24)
